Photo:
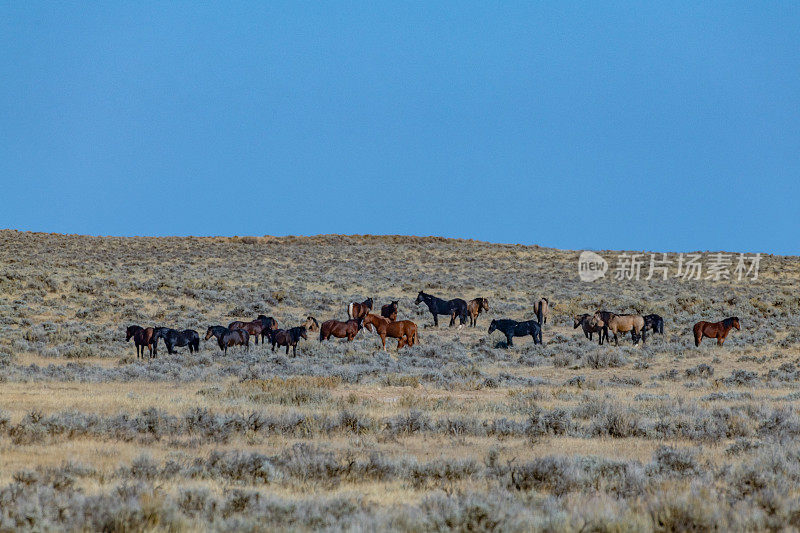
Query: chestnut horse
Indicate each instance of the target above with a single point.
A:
(715, 330)
(404, 331)
(339, 329)
(142, 337)
(390, 311)
(474, 308)
(622, 324)
(359, 310)
(254, 328)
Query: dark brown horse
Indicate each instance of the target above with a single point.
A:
(268, 323)
(585, 321)
(254, 328)
(390, 311)
(290, 337)
(339, 329)
(142, 337)
(233, 337)
(359, 310)
(715, 330)
(404, 331)
(474, 308)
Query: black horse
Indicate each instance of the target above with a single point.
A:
(454, 308)
(173, 338)
(512, 328)
(605, 316)
(655, 323)
(290, 337)
(268, 324)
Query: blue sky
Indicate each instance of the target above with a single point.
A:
(653, 126)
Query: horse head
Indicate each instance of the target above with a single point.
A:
(420, 297)
(492, 326)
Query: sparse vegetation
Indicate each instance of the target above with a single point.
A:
(458, 432)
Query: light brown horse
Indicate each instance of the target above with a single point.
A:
(715, 330)
(404, 331)
(621, 324)
(254, 328)
(339, 329)
(311, 324)
(474, 308)
(542, 310)
(356, 311)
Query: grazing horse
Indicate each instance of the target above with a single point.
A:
(585, 321)
(233, 337)
(359, 310)
(453, 308)
(655, 323)
(715, 330)
(339, 329)
(474, 308)
(622, 324)
(311, 324)
(173, 338)
(142, 337)
(390, 310)
(542, 310)
(254, 328)
(291, 337)
(404, 331)
(512, 328)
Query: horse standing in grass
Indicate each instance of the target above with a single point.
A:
(216, 331)
(357, 311)
(512, 328)
(233, 337)
(311, 324)
(585, 321)
(654, 323)
(339, 329)
(715, 330)
(290, 337)
(390, 311)
(254, 328)
(474, 308)
(142, 337)
(404, 331)
(622, 324)
(542, 310)
(268, 323)
(452, 308)
(173, 338)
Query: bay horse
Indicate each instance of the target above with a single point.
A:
(512, 328)
(215, 331)
(233, 337)
(339, 329)
(585, 321)
(453, 308)
(254, 328)
(359, 310)
(474, 308)
(290, 337)
(268, 323)
(405, 331)
(715, 330)
(654, 323)
(622, 324)
(542, 310)
(173, 338)
(390, 310)
(142, 337)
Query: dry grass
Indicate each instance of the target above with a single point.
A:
(455, 433)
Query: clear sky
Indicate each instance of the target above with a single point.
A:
(663, 126)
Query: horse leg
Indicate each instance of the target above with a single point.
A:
(509, 340)
(435, 319)
(383, 341)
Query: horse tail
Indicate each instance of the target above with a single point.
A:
(350, 310)
(539, 313)
(321, 335)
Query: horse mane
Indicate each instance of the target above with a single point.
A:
(728, 322)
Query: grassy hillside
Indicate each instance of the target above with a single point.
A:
(456, 432)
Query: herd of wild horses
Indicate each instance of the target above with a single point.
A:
(360, 316)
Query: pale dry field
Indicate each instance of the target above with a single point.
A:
(458, 432)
